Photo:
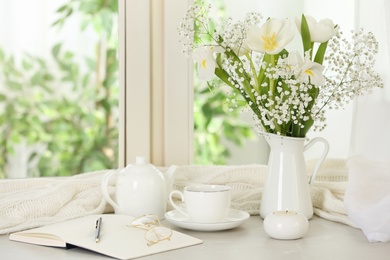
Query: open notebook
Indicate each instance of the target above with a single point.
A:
(116, 238)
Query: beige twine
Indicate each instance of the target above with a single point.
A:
(29, 203)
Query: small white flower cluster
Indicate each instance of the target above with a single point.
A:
(198, 14)
(197, 29)
(350, 68)
(288, 94)
(292, 96)
(235, 33)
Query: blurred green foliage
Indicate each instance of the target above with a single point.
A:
(216, 120)
(216, 124)
(68, 104)
(72, 106)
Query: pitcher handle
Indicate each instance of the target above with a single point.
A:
(105, 193)
(322, 158)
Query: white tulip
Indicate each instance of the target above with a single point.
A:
(204, 56)
(320, 31)
(270, 38)
(306, 70)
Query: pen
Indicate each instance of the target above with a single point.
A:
(97, 229)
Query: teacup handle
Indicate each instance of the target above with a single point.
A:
(322, 158)
(177, 207)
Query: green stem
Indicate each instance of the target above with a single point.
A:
(311, 50)
(271, 80)
(257, 85)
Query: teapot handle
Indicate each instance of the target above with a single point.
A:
(322, 158)
(104, 187)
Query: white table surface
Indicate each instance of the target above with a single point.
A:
(324, 240)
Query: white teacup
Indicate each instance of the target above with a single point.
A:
(204, 203)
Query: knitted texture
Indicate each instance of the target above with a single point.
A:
(30, 203)
(328, 190)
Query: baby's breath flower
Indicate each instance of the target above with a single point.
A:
(288, 93)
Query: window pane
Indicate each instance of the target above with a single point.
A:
(223, 128)
(58, 87)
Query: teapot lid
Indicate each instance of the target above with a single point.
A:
(141, 165)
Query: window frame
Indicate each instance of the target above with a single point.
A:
(156, 97)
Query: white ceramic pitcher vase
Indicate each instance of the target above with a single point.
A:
(287, 185)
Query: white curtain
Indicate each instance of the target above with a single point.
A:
(368, 193)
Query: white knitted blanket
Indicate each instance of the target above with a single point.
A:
(29, 203)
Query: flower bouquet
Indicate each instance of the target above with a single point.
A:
(288, 91)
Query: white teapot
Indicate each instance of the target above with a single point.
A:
(140, 189)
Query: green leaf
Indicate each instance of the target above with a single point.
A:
(26, 65)
(319, 58)
(36, 79)
(89, 7)
(91, 63)
(14, 85)
(108, 82)
(2, 55)
(70, 11)
(261, 76)
(68, 55)
(224, 76)
(48, 77)
(305, 34)
(112, 68)
(56, 50)
(59, 23)
(62, 8)
(85, 80)
(308, 124)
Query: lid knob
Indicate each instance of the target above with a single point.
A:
(140, 160)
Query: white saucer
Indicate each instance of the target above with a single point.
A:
(234, 219)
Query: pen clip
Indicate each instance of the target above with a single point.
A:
(97, 230)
